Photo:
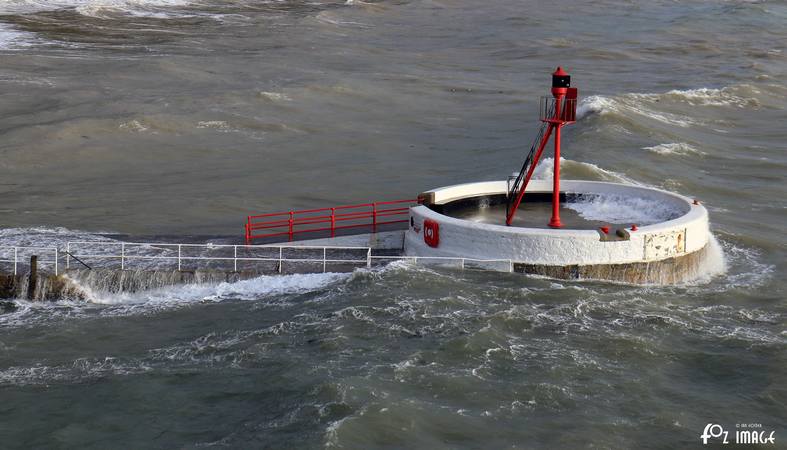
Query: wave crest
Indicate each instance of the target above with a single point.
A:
(654, 106)
(674, 148)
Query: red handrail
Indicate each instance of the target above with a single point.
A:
(289, 223)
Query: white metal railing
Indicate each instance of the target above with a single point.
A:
(125, 254)
(177, 255)
(19, 256)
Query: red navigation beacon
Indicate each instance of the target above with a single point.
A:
(555, 111)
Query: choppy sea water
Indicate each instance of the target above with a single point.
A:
(180, 117)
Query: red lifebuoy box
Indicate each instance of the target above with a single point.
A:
(431, 233)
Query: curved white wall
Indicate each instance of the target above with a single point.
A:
(466, 239)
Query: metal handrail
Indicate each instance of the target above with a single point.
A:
(287, 223)
(125, 247)
(513, 190)
(29, 250)
(281, 258)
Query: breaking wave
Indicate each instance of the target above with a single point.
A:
(101, 303)
(728, 96)
(46, 237)
(251, 289)
(95, 8)
(675, 148)
(14, 39)
(622, 209)
(653, 106)
(578, 170)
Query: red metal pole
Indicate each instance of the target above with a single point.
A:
(374, 216)
(554, 222)
(560, 87)
(333, 221)
(533, 165)
(291, 222)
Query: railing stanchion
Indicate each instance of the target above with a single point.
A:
(178, 257)
(68, 255)
(369, 258)
(511, 266)
(462, 263)
(292, 214)
(324, 259)
(56, 261)
(123, 256)
(281, 262)
(374, 216)
(333, 222)
(235, 259)
(16, 253)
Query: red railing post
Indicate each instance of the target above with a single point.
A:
(374, 216)
(333, 221)
(291, 221)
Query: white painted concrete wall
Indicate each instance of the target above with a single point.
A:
(462, 238)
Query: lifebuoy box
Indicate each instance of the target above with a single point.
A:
(431, 233)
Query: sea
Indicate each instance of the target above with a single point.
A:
(178, 118)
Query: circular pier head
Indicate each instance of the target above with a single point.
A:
(611, 231)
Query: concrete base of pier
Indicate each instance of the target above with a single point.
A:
(48, 287)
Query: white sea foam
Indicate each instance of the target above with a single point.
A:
(94, 8)
(107, 304)
(133, 125)
(578, 170)
(630, 104)
(727, 96)
(79, 370)
(219, 125)
(622, 209)
(594, 104)
(12, 38)
(714, 262)
(748, 269)
(652, 105)
(46, 237)
(275, 96)
(334, 19)
(674, 148)
(251, 289)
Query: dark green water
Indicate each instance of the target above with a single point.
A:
(168, 117)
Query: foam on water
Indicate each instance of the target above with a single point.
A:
(83, 369)
(12, 38)
(728, 96)
(578, 170)
(622, 209)
(630, 104)
(674, 148)
(46, 237)
(653, 106)
(255, 288)
(112, 304)
(94, 8)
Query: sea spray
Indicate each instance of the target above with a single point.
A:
(622, 209)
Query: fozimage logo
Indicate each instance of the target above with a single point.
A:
(745, 433)
(714, 430)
